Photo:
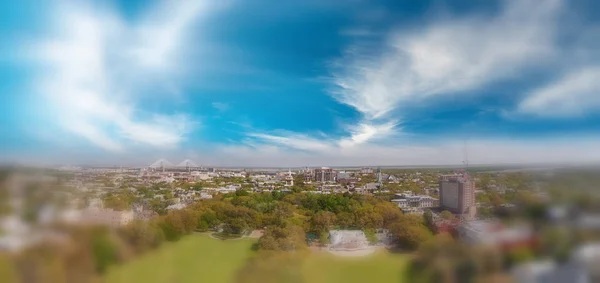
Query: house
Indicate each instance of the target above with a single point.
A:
(201, 176)
(347, 181)
(371, 186)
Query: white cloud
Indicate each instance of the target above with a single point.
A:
(365, 132)
(161, 34)
(220, 106)
(444, 57)
(359, 135)
(575, 94)
(358, 32)
(293, 141)
(97, 67)
(442, 152)
(447, 56)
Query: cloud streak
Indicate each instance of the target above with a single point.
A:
(572, 95)
(443, 152)
(446, 57)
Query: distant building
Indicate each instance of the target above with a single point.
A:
(289, 179)
(347, 181)
(323, 174)
(415, 203)
(344, 175)
(308, 175)
(201, 176)
(457, 195)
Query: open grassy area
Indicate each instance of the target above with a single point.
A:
(199, 258)
(380, 267)
(196, 258)
(7, 272)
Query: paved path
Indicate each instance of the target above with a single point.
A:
(355, 253)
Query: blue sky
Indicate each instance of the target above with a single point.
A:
(300, 83)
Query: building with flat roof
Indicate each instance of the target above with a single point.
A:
(457, 195)
(323, 174)
(410, 203)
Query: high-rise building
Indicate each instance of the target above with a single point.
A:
(324, 174)
(457, 194)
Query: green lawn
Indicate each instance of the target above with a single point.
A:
(7, 272)
(198, 258)
(380, 267)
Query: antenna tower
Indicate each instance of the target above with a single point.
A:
(466, 156)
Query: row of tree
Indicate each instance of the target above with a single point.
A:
(285, 218)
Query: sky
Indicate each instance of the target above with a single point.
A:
(300, 83)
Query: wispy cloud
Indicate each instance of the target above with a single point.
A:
(96, 67)
(220, 106)
(357, 135)
(358, 32)
(575, 94)
(364, 132)
(294, 141)
(446, 57)
(439, 152)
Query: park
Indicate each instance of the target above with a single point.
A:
(200, 258)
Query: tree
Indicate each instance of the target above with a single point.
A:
(389, 212)
(270, 267)
(104, 251)
(324, 239)
(443, 260)
(410, 231)
(428, 220)
(368, 218)
(141, 236)
(159, 206)
(284, 209)
(207, 220)
(322, 222)
(447, 215)
(286, 238)
(371, 236)
(176, 224)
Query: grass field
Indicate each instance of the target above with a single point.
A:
(7, 273)
(196, 258)
(380, 267)
(199, 258)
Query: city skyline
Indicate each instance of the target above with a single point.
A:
(262, 83)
